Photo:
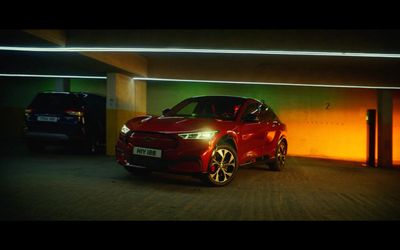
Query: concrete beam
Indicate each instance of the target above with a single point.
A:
(54, 36)
(129, 62)
(273, 39)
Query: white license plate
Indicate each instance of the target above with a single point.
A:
(47, 119)
(147, 152)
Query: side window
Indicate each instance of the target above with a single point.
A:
(270, 115)
(253, 108)
(188, 110)
(89, 103)
(94, 103)
(264, 113)
(99, 103)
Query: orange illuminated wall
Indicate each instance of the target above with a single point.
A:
(322, 122)
(396, 127)
(334, 127)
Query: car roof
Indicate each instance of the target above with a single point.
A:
(225, 96)
(69, 93)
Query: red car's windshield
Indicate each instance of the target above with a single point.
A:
(224, 108)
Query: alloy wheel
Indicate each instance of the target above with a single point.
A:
(281, 155)
(223, 166)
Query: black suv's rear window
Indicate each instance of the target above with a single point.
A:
(56, 101)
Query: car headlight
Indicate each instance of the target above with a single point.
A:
(124, 129)
(205, 135)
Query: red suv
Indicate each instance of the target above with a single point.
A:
(207, 136)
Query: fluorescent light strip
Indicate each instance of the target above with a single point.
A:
(268, 83)
(204, 51)
(208, 81)
(54, 76)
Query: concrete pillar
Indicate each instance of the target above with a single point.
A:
(63, 85)
(125, 99)
(385, 127)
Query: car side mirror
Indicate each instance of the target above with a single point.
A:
(166, 111)
(250, 118)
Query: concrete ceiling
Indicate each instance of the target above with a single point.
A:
(289, 69)
(385, 41)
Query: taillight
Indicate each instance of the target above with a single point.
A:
(74, 113)
(28, 111)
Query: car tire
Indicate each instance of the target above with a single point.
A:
(223, 166)
(279, 161)
(93, 145)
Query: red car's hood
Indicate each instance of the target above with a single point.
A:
(176, 124)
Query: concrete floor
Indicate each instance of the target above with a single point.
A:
(61, 185)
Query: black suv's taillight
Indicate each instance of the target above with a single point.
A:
(74, 112)
(74, 115)
(28, 113)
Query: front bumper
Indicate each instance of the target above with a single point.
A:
(186, 157)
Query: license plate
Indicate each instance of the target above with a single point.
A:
(47, 119)
(147, 152)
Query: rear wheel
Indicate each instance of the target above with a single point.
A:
(280, 157)
(223, 166)
(93, 145)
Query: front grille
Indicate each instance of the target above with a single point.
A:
(153, 140)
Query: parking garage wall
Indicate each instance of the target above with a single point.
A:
(17, 93)
(322, 122)
(396, 127)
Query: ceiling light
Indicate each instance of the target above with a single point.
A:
(203, 51)
(54, 76)
(269, 83)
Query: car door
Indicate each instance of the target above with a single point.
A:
(251, 134)
(272, 133)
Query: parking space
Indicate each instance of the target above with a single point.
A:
(64, 185)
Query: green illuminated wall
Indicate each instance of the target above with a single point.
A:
(19, 92)
(92, 86)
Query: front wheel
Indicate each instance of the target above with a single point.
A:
(280, 157)
(223, 166)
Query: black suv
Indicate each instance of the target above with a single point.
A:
(66, 117)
